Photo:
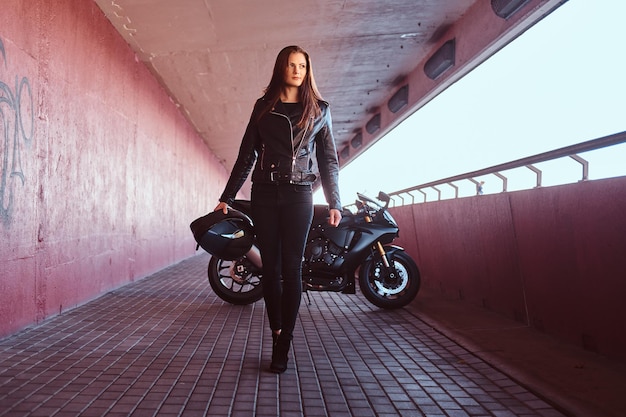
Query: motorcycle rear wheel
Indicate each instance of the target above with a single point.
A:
(237, 282)
(393, 288)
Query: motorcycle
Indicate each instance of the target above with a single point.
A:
(388, 276)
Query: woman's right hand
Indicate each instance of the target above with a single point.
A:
(222, 206)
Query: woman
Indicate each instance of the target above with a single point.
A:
(288, 125)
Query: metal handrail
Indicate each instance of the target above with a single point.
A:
(571, 151)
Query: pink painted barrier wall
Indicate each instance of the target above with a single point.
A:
(553, 258)
(100, 173)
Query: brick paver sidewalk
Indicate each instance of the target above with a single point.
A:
(167, 346)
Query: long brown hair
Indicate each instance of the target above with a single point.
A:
(308, 92)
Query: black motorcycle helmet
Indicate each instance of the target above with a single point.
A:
(227, 236)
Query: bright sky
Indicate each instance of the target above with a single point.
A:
(560, 83)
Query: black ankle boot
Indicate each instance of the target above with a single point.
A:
(280, 354)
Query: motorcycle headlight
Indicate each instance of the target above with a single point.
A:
(389, 217)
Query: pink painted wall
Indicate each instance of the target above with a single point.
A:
(100, 173)
(552, 257)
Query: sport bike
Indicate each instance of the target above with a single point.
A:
(387, 275)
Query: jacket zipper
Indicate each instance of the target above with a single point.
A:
(262, 155)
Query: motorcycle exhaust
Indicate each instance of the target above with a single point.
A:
(254, 256)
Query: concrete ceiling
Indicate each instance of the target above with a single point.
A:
(214, 57)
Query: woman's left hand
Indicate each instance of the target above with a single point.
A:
(334, 218)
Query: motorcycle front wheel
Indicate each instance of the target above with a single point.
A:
(390, 288)
(236, 282)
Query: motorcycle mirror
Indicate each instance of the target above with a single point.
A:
(384, 197)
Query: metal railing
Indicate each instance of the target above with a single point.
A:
(528, 162)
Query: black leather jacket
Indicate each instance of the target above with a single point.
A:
(283, 152)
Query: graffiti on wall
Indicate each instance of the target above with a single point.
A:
(16, 130)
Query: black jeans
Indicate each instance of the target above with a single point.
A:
(282, 215)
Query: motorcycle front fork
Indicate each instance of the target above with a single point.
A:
(383, 255)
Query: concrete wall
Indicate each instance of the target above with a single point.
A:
(100, 173)
(552, 257)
